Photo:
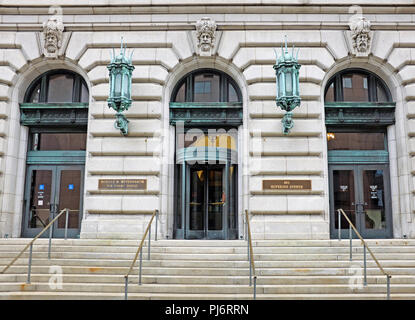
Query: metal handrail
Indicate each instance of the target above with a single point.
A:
(252, 273)
(140, 251)
(30, 244)
(365, 246)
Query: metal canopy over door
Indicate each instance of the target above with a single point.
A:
(50, 189)
(362, 191)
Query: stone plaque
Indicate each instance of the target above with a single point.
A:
(286, 184)
(122, 184)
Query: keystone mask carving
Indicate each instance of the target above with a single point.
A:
(205, 34)
(53, 35)
(360, 35)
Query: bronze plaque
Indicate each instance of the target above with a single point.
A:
(286, 184)
(122, 184)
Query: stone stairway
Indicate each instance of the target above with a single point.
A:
(208, 269)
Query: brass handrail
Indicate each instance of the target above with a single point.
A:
(388, 276)
(139, 251)
(250, 254)
(30, 244)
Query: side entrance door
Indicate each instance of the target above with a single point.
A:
(49, 189)
(363, 192)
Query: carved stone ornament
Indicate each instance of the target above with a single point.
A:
(53, 36)
(361, 36)
(205, 34)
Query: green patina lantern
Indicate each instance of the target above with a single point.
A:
(120, 69)
(288, 83)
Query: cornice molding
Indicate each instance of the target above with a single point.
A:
(206, 7)
(38, 27)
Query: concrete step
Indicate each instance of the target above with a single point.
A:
(303, 269)
(208, 289)
(208, 250)
(36, 295)
(207, 279)
(345, 263)
(208, 256)
(174, 271)
(213, 243)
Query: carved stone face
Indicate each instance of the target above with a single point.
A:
(362, 41)
(205, 41)
(51, 42)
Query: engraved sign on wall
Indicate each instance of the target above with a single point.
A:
(286, 184)
(122, 184)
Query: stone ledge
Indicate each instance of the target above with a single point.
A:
(128, 212)
(301, 213)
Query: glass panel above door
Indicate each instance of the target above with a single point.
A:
(84, 94)
(355, 87)
(58, 141)
(356, 141)
(232, 94)
(35, 95)
(181, 93)
(60, 88)
(207, 88)
(330, 93)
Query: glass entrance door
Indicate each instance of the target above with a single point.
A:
(206, 202)
(362, 191)
(50, 189)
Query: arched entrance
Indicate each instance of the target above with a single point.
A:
(55, 109)
(358, 109)
(206, 110)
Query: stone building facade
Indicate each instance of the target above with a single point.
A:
(234, 44)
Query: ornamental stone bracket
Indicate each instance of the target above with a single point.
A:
(205, 38)
(52, 40)
(359, 38)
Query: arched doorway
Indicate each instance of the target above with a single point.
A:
(206, 110)
(358, 110)
(55, 109)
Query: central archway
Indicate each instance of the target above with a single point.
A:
(206, 110)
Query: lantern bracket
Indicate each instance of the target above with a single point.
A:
(287, 122)
(121, 123)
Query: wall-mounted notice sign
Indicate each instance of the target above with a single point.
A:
(122, 184)
(286, 184)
